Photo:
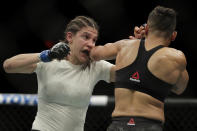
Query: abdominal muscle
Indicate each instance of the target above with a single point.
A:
(134, 103)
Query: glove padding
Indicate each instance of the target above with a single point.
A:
(58, 51)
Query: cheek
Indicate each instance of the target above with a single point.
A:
(80, 44)
(76, 49)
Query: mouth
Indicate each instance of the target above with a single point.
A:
(86, 52)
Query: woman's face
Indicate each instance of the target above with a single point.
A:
(81, 44)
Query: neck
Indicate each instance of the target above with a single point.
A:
(73, 60)
(153, 40)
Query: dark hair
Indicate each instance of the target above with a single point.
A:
(76, 25)
(163, 20)
(80, 22)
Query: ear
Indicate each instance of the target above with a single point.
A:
(69, 36)
(146, 29)
(173, 37)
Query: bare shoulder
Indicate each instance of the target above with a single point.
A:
(119, 45)
(167, 63)
(176, 55)
(128, 42)
(172, 55)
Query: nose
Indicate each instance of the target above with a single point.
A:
(91, 44)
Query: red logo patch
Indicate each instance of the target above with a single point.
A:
(135, 76)
(131, 122)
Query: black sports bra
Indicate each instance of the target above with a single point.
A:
(137, 76)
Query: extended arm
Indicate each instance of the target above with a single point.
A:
(26, 63)
(109, 51)
(106, 52)
(23, 63)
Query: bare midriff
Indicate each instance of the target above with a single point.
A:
(134, 103)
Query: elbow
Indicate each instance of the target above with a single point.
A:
(179, 93)
(94, 56)
(180, 90)
(7, 66)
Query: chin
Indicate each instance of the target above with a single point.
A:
(84, 60)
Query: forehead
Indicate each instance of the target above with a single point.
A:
(89, 30)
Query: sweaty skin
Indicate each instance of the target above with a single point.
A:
(167, 64)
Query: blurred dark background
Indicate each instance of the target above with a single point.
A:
(29, 26)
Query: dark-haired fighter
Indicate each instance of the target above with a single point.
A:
(146, 71)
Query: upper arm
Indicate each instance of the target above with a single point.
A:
(106, 52)
(113, 74)
(29, 69)
(105, 71)
(183, 76)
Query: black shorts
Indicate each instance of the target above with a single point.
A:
(134, 124)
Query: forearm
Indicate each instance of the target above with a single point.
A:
(181, 84)
(100, 53)
(21, 63)
(26, 63)
(106, 52)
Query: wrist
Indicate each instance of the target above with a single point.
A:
(39, 59)
(44, 56)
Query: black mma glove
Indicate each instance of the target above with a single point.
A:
(58, 51)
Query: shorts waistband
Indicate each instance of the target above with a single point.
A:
(137, 119)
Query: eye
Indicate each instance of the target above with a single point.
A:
(86, 37)
(94, 40)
